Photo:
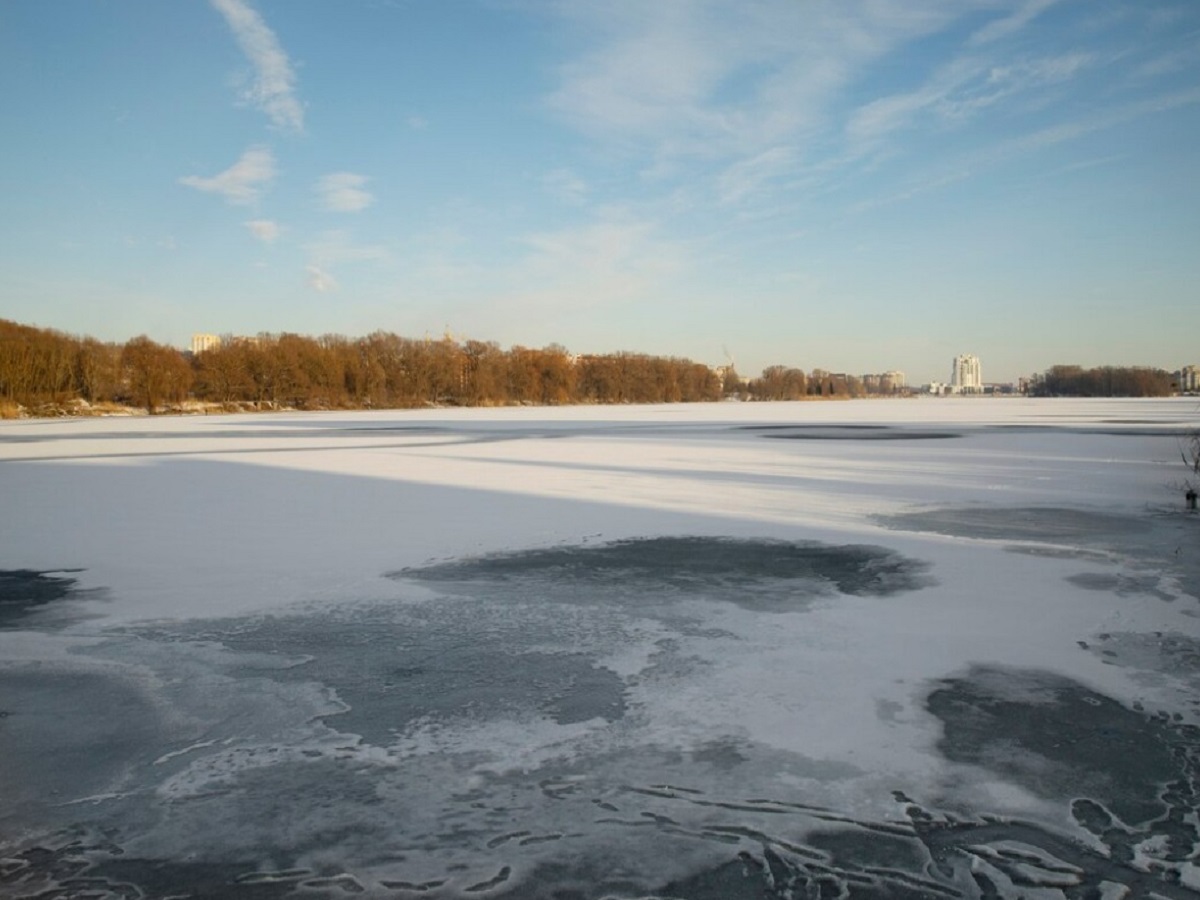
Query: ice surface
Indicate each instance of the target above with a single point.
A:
(877, 649)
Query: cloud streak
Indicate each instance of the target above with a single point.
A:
(960, 90)
(243, 182)
(265, 230)
(750, 177)
(566, 186)
(333, 249)
(320, 280)
(273, 89)
(614, 258)
(343, 192)
(1050, 136)
(1012, 23)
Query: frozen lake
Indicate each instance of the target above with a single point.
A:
(877, 649)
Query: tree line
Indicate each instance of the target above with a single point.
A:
(44, 368)
(1103, 381)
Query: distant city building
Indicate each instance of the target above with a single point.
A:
(886, 383)
(966, 375)
(202, 342)
(1188, 379)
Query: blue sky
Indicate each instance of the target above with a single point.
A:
(857, 185)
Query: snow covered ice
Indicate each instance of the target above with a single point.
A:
(935, 648)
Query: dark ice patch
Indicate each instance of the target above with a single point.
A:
(1158, 655)
(768, 868)
(82, 863)
(857, 847)
(196, 880)
(850, 432)
(779, 874)
(286, 811)
(1123, 585)
(66, 735)
(1049, 552)
(723, 754)
(1039, 523)
(1057, 738)
(696, 563)
(1150, 542)
(835, 434)
(460, 679)
(853, 428)
(391, 674)
(25, 592)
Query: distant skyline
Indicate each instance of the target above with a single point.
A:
(858, 186)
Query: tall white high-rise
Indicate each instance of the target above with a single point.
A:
(966, 375)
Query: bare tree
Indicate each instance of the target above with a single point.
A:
(155, 373)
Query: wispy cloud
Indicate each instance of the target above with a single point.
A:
(343, 192)
(243, 182)
(320, 280)
(1089, 163)
(913, 189)
(961, 89)
(1110, 118)
(273, 88)
(335, 248)
(566, 186)
(586, 275)
(265, 230)
(611, 246)
(1016, 146)
(1170, 63)
(615, 258)
(749, 177)
(1013, 22)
